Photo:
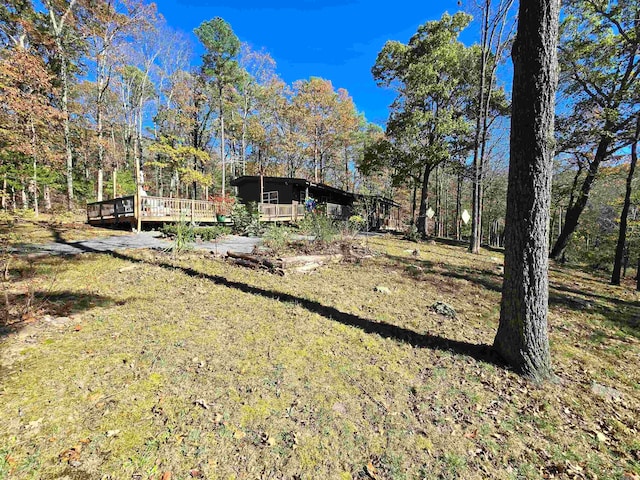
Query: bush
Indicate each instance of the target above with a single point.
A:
(277, 237)
(353, 226)
(211, 233)
(189, 232)
(321, 227)
(183, 236)
(412, 233)
(246, 219)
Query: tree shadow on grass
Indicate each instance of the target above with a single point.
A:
(480, 352)
(623, 314)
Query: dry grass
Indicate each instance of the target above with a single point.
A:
(20, 229)
(196, 367)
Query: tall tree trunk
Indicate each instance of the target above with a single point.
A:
(47, 198)
(100, 133)
(424, 200)
(573, 211)
(476, 196)
(459, 206)
(622, 235)
(4, 191)
(222, 146)
(66, 129)
(413, 201)
(315, 158)
(35, 170)
(58, 26)
(522, 337)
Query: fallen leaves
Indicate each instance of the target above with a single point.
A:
(72, 455)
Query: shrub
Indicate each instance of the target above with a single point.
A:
(190, 232)
(211, 233)
(183, 236)
(412, 233)
(246, 219)
(322, 228)
(277, 237)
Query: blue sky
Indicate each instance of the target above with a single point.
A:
(336, 39)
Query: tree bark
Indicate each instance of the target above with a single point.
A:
(622, 234)
(424, 198)
(4, 192)
(222, 144)
(459, 206)
(574, 210)
(522, 337)
(67, 131)
(58, 30)
(47, 198)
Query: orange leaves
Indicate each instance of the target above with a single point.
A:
(72, 455)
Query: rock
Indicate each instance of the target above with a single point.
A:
(339, 408)
(444, 309)
(603, 391)
(381, 289)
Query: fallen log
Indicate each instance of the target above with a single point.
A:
(254, 261)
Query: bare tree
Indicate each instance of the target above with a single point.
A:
(494, 38)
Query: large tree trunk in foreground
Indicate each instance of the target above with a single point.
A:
(522, 338)
(622, 235)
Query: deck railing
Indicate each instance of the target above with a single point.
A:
(270, 212)
(116, 208)
(161, 208)
(157, 209)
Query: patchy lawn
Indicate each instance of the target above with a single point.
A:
(21, 230)
(140, 366)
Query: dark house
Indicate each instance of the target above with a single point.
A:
(382, 212)
(285, 190)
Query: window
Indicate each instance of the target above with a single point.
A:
(270, 197)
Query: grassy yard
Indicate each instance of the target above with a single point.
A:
(20, 229)
(141, 366)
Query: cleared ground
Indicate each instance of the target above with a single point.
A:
(138, 365)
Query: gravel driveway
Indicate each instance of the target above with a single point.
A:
(153, 240)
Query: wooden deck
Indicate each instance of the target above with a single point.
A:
(155, 210)
(280, 212)
(123, 210)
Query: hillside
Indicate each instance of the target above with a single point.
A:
(139, 365)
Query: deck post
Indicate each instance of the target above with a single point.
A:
(137, 210)
(193, 202)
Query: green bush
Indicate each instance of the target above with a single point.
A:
(412, 233)
(183, 236)
(277, 237)
(321, 227)
(189, 233)
(211, 233)
(246, 219)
